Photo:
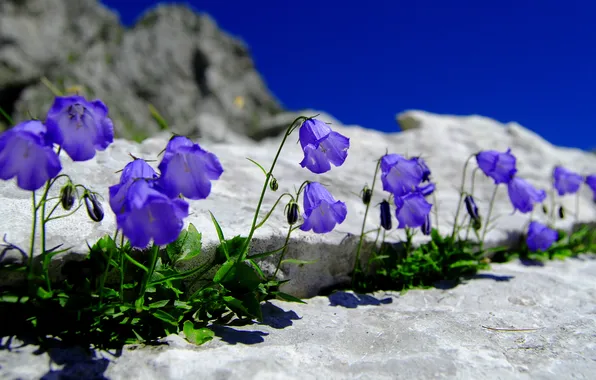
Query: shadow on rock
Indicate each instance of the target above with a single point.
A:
(76, 362)
(352, 300)
(233, 336)
(490, 276)
(277, 317)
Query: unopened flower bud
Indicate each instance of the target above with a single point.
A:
(366, 195)
(426, 226)
(94, 208)
(544, 209)
(561, 212)
(273, 185)
(471, 207)
(292, 212)
(67, 196)
(386, 215)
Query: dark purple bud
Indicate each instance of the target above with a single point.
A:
(292, 212)
(561, 212)
(426, 226)
(471, 207)
(94, 209)
(67, 195)
(366, 195)
(273, 185)
(386, 215)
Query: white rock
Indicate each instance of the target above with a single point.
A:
(423, 334)
(444, 141)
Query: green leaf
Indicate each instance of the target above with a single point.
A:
(240, 277)
(220, 235)
(253, 306)
(236, 306)
(44, 294)
(168, 318)
(223, 271)
(464, 263)
(265, 254)
(298, 262)
(234, 248)
(187, 246)
(197, 336)
(158, 304)
(158, 118)
(287, 297)
(256, 163)
(436, 237)
(6, 116)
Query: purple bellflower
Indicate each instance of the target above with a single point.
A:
(591, 182)
(540, 237)
(25, 153)
(187, 169)
(321, 211)
(425, 169)
(412, 210)
(322, 146)
(400, 175)
(80, 127)
(523, 195)
(565, 181)
(500, 166)
(137, 169)
(151, 214)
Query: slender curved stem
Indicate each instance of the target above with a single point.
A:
(265, 184)
(33, 230)
(283, 252)
(461, 195)
(271, 211)
(361, 240)
(488, 215)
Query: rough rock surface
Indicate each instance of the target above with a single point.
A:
(423, 334)
(444, 141)
(204, 84)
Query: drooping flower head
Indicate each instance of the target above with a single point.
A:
(540, 237)
(321, 211)
(26, 153)
(565, 181)
(187, 169)
(500, 166)
(136, 169)
(400, 175)
(591, 182)
(412, 210)
(80, 127)
(322, 146)
(151, 214)
(523, 195)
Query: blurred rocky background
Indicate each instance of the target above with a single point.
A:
(200, 79)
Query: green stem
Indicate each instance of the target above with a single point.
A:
(104, 277)
(33, 229)
(121, 266)
(408, 241)
(461, 195)
(283, 252)
(490, 210)
(361, 239)
(265, 184)
(149, 273)
(271, 211)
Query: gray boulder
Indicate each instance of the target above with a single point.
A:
(201, 80)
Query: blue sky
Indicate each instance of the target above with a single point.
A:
(533, 62)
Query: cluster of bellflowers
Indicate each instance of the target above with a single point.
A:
(408, 184)
(501, 167)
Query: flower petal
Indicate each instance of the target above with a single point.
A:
(315, 160)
